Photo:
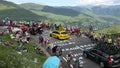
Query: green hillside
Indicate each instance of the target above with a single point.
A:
(11, 57)
(14, 12)
(113, 31)
(60, 11)
(8, 4)
(32, 6)
(58, 15)
(81, 20)
(111, 19)
(110, 30)
(49, 9)
(107, 10)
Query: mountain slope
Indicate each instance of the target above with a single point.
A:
(60, 11)
(110, 30)
(32, 6)
(107, 10)
(36, 12)
(14, 12)
(111, 16)
(112, 10)
(55, 10)
(83, 19)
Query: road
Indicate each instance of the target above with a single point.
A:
(74, 44)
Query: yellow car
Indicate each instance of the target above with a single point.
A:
(59, 34)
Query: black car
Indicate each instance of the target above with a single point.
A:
(108, 56)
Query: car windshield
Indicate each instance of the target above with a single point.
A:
(111, 50)
(63, 32)
(56, 32)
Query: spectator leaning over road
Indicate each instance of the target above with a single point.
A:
(53, 61)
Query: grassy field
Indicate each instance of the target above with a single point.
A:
(113, 31)
(11, 58)
(110, 30)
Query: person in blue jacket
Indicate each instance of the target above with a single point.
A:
(53, 61)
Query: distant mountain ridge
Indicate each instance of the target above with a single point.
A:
(83, 17)
(61, 11)
(59, 15)
(101, 9)
(107, 10)
(15, 12)
(55, 10)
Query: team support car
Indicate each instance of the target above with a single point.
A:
(59, 34)
(105, 55)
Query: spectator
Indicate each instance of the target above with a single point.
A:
(118, 41)
(32, 31)
(17, 36)
(100, 38)
(48, 47)
(69, 58)
(40, 38)
(53, 61)
(39, 30)
(109, 40)
(75, 30)
(27, 37)
(44, 42)
(105, 38)
(91, 27)
(95, 37)
(10, 28)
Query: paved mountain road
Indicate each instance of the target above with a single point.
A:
(74, 44)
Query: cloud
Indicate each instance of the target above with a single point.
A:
(69, 2)
(99, 2)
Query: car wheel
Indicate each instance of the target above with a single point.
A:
(102, 64)
(85, 55)
(58, 38)
(50, 35)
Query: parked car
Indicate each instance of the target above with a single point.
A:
(59, 34)
(105, 55)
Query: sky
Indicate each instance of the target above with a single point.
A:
(69, 2)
